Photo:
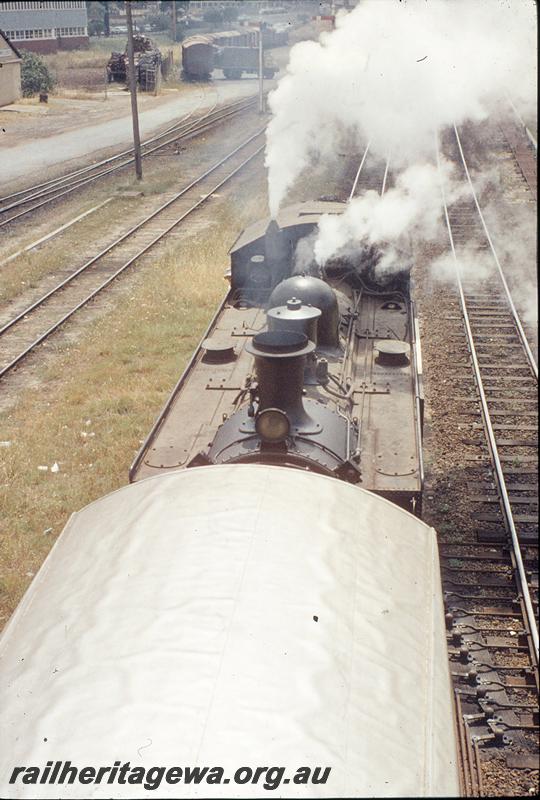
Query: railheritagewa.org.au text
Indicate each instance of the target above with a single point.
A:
(151, 778)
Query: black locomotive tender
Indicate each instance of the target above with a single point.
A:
(316, 373)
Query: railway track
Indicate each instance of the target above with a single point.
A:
(524, 154)
(371, 175)
(31, 327)
(490, 571)
(19, 204)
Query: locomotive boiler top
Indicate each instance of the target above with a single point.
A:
(234, 615)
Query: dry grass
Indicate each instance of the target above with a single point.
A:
(94, 56)
(25, 271)
(28, 101)
(98, 92)
(100, 396)
(28, 269)
(76, 69)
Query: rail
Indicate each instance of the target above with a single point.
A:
(24, 314)
(519, 326)
(488, 425)
(57, 188)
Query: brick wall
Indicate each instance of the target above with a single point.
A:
(53, 45)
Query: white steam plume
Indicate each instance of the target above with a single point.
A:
(412, 207)
(393, 73)
(472, 263)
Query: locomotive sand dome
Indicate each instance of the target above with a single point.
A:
(316, 293)
(294, 620)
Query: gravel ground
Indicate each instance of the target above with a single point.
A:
(452, 436)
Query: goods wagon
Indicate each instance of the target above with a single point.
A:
(236, 53)
(237, 61)
(197, 58)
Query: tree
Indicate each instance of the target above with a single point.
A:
(98, 18)
(95, 27)
(158, 22)
(98, 15)
(230, 13)
(182, 6)
(35, 76)
(179, 8)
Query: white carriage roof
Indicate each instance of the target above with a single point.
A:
(234, 615)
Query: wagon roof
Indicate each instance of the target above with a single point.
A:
(199, 38)
(236, 615)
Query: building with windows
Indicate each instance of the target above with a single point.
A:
(10, 72)
(244, 7)
(45, 27)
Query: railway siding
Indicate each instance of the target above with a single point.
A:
(19, 204)
(53, 309)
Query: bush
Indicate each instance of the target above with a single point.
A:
(35, 77)
(95, 27)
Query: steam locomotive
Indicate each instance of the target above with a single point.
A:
(322, 373)
(257, 604)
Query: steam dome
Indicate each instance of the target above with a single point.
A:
(315, 292)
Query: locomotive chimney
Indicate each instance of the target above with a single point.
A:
(293, 316)
(280, 359)
(276, 252)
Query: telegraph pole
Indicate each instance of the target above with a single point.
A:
(261, 70)
(173, 12)
(132, 79)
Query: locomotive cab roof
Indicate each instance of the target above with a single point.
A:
(308, 213)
